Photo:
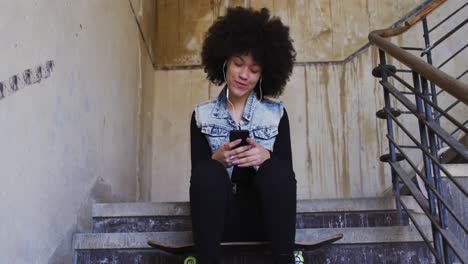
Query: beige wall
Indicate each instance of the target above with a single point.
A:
(336, 138)
(144, 11)
(339, 27)
(71, 139)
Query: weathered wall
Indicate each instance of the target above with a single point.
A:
(70, 139)
(145, 13)
(336, 138)
(180, 27)
(338, 27)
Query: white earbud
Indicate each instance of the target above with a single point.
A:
(261, 95)
(227, 93)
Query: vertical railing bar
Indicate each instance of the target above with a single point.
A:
(449, 117)
(448, 109)
(429, 185)
(453, 56)
(448, 17)
(388, 105)
(435, 168)
(427, 43)
(437, 43)
(426, 162)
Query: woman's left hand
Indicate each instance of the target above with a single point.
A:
(255, 156)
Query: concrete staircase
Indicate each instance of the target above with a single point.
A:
(371, 231)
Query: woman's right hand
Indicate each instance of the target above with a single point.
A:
(227, 150)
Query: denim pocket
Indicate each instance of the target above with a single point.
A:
(266, 136)
(214, 131)
(266, 132)
(215, 135)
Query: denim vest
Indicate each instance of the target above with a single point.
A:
(261, 118)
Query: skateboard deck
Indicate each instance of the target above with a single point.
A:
(299, 246)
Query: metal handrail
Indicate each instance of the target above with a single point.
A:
(453, 86)
(445, 220)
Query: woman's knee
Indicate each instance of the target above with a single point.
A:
(276, 173)
(209, 173)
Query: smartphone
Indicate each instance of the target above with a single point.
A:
(236, 134)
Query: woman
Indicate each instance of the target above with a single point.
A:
(244, 193)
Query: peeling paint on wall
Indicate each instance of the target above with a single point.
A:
(28, 77)
(339, 28)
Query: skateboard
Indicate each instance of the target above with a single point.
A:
(186, 250)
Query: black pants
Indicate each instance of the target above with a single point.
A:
(263, 208)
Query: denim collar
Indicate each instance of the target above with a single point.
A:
(220, 111)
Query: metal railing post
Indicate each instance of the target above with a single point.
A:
(435, 168)
(427, 43)
(388, 106)
(420, 106)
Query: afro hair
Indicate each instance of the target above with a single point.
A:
(243, 31)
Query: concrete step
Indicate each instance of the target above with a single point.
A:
(303, 206)
(323, 213)
(451, 156)
(303, 220)
(351, 236)
(367, 245)
(401, 253)
(456, 170)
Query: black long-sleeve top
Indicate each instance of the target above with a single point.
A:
(200, 149)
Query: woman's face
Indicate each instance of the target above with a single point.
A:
(242, 75)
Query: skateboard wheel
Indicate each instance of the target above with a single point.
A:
(298, 257)
(190, 260)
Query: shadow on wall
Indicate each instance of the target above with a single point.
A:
(28, 77)
(101, 192)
